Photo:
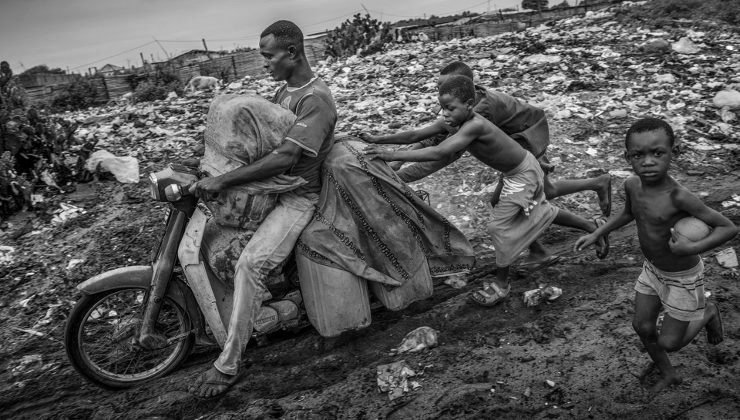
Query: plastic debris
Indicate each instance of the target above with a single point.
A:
(685, 46)
(67, 212)
(735, 202)
(74, 263)
(393, 378)
(727, 258)
(456, 281)
(550, 383)
(535, 296)
(28, 364)
(6, 254)
(417, 340)
(125, 169)
(727, 98)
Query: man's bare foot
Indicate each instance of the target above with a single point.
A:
(715, 330)
(664, 382)
(212, 383)
(605, 194)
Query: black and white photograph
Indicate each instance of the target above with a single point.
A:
(291, 209)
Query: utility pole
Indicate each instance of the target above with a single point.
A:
(206, 48)
(143, 62)
(166, 55)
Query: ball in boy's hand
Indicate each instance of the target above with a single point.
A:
(692, 228)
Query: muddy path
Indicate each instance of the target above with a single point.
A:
(489, 363)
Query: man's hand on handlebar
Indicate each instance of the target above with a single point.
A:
(207, 188)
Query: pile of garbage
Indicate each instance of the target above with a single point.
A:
(592, 71)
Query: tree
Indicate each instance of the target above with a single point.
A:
(538, 5)
(42, 68)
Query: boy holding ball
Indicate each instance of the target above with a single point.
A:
(672, 275)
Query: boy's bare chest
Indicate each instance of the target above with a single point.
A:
(653, 209)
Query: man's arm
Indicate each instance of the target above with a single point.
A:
(451, 145)
(408, 137)
(278, 162)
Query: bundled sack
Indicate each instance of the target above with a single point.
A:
(241, 129)
(371, 224)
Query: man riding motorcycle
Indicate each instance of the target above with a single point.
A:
(305, 147)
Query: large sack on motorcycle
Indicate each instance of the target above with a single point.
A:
(371, 224)
(240, 129)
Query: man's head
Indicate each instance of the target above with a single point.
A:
(455, 68)
(281, 44)
(457, 97)
(649, 146)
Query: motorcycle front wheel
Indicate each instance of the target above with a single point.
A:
(102, 332)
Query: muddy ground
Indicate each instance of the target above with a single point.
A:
(490, 363)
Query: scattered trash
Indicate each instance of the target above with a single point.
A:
(456, 281)
(727, 98)
(685, 46)
(67, 213)
(27, 331)
(125, 169)
(727, 258)
(656, 45)
(528, 392)
(550, 383)
(417, 340)
(23, 303)
(542, 59)
(74, 263)
(28, 364)
(665, 78)
(6, 254)
(735, 202)
(393, 379)
(535, 296)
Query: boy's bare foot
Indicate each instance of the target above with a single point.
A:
(212, 383)
(715, 330)
(664, 382)
(650, 368)
(605, 194)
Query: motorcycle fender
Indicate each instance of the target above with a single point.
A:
(132, 276)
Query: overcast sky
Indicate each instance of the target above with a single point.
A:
(78, 34)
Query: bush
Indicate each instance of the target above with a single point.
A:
(155, 86)
(81, 94)
(361, 35)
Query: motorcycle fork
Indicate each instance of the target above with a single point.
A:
(163, 267)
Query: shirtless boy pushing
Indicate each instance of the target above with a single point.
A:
(522, 213)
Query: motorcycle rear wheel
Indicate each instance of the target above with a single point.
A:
(101, 338)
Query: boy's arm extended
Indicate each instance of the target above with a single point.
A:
(408, 137)
(455, 143)
(722, 228)
(624, 217)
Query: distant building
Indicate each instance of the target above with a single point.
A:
(194, 57)
(110, 70)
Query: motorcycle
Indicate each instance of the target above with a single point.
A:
(137, 323)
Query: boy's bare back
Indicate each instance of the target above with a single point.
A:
(490, 145)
